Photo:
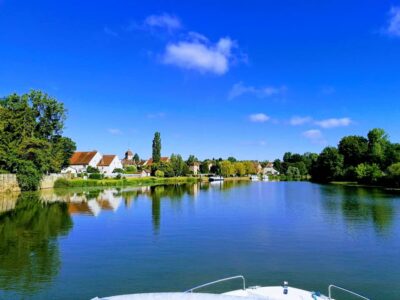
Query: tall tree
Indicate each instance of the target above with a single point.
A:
(329, 165)
(156, 154)
(31, 141)
(354, 150)
(136, 158)
(377, 145)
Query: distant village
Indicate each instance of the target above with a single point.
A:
(110, 165)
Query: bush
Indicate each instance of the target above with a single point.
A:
(159, 173)
(118, 170)
(90, 169)
(95, 176)
(369, 174)
(28, 176)
(61, 183)
(393, 175)
(118, 176)
(130, 169)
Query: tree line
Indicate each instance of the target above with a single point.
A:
(372, 160)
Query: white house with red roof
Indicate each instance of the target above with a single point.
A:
(81, 160)
(109, 163)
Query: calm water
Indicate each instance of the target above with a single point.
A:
(81, 244)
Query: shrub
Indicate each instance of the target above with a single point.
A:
(118, 170)
(130, 169)
(61, 183)
(369, 174)
(393, 173)
(90, 169)
(28, 176)
(95, 176)
(118, 176)
(159, 173)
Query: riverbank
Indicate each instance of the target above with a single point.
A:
(78, 182)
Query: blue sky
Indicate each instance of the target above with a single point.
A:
(251, 79)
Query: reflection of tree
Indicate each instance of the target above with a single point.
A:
(360, 204)
(28, 246)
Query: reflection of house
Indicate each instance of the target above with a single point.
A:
(149, 162)
(269, 169)
(108, 164)
(195, 168)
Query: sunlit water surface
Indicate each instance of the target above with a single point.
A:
(79, 244)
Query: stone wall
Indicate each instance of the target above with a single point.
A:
(9, 183)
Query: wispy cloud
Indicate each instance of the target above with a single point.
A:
(164, 21)
(334, 122)
(393, 26)
(110, 32)
(240, 89)
(259, 118)
(201, 56)
(156, 115)
(296, 121)
(315, 136)
(114, 131)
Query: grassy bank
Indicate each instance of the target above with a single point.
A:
(78, 182)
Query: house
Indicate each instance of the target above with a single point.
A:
(108, 164)
(128, 159)
(81, 160)
(195, 168)
(269, 170)
(149, 162)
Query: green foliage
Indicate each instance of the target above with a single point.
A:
(178, 165)
(232, 159)
(156, 148)
(240, 168)
(204, 167)
(92, 170)
(31, 141)
(329, 165)
(118, 170)
(227, 168)
(250, 167)
(354, 150)
(393, 173)
(159, 173)
(96, 176)
(61, 183)
(130, 169)
(136, 158)
(191, 160)
(368, 173)
(293, 172)
(377, 146)
(165, 167)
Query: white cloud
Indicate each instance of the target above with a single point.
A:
(259, 118)
(114, 131)
(165, 21)
(312, 134)
(200, 56)
(393, 27)
(110, 32)
(240, 89)
(315, 136)
(333, 122)
(295, 121)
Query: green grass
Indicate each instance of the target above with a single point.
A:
(78, 182)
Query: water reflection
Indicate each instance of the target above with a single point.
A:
(359, 205)
(29, 254)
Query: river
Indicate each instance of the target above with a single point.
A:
(78, 244)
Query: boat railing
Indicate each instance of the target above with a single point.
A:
(344, 290)
(218, 281)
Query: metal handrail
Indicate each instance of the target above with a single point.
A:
(345, 290)
(218, 281)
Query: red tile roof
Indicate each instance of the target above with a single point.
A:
(106, 160)
(162, 159)
(82, 158)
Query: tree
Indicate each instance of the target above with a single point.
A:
(156, 148)
(293, 172)
(204, 167)
(227, 168)
(354, 149)
(278, 165)
(232, 159)
(240, 168)
(31, 141)
(191, 160)
(368, 173)
(250, 167)
(136, 158)
(177, 164)
(394, 174)
(377, 146)
(329, 165)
